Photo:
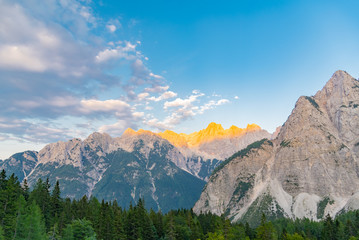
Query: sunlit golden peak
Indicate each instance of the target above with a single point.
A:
(129, 131)
(211, 133)
(253, 127)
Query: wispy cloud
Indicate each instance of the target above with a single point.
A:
(56, 65)
(182, 109)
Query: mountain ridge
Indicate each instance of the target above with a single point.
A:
(137, 164)
(309, 170)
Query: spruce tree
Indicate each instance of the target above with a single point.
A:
(79, 230)
(118, 222)
(26, 190)
(3, 180)
(145, 226)
(329, 229)
(31, 224)
(266, 231)
(20, 216)
(132, 224)
(41, 196)
(8, 204)
(1, 234)
(56, 206)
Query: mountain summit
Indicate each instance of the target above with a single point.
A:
(208, 141)
(157, 167)
(310, 170)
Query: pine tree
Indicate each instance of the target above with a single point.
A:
(131, 224)
(41, 196)
(94, 209)
(349, 229)
(26, 190)
(31, 224)
(118, 222)
(56, 206)
(157, 220)
(3, 180)
(1, 234)
(266, 230)
(106, 228)
(146, 226)
(329, 229)
(170, 227)
(20, 215)
(8, 204)
(79, 230)
(294, 236)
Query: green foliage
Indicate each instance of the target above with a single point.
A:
(313, 102)
(24, 218)
(1, 234)
(243, 153)
(294, 236)
(322, 205)
(266, 231)
(30, 224)
(264, 205)
(79, 230)
(285, 143)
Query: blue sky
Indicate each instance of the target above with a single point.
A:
(72, 67)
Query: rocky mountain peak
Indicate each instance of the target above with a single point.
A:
(62, 152)
(312, 169)
(129, 131)
(178, 140)
(213, 129)
(99, 141)
(338, 85)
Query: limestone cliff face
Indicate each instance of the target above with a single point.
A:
(215, 142)
(200, 152)
(309, 170)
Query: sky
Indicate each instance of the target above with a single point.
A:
(72, 67)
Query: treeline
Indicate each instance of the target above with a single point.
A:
(43, 214)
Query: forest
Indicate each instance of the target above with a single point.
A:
(41, 213)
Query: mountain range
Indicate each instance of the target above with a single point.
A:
(167, 169)
(309, 170)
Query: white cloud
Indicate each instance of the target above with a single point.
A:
(77, 8)
(23, 130)
(183, 109)
(54, 54)
(21, 57)
(125, 51)
(184, 103)
(138, 114)
(112, 28)
(156, 76)
(236, 97)
(115, 129)
(142, 96)
(89, 106)
(163, 96)
(156, 89)
(212, 104)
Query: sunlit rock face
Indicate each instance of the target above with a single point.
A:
(213, 142)
(200, 152)
(309, 170)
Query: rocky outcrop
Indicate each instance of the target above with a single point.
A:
(309, 170)
(200, 152)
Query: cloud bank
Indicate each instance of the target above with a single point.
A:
(62, 66)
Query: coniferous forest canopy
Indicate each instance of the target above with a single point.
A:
(42, 214)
